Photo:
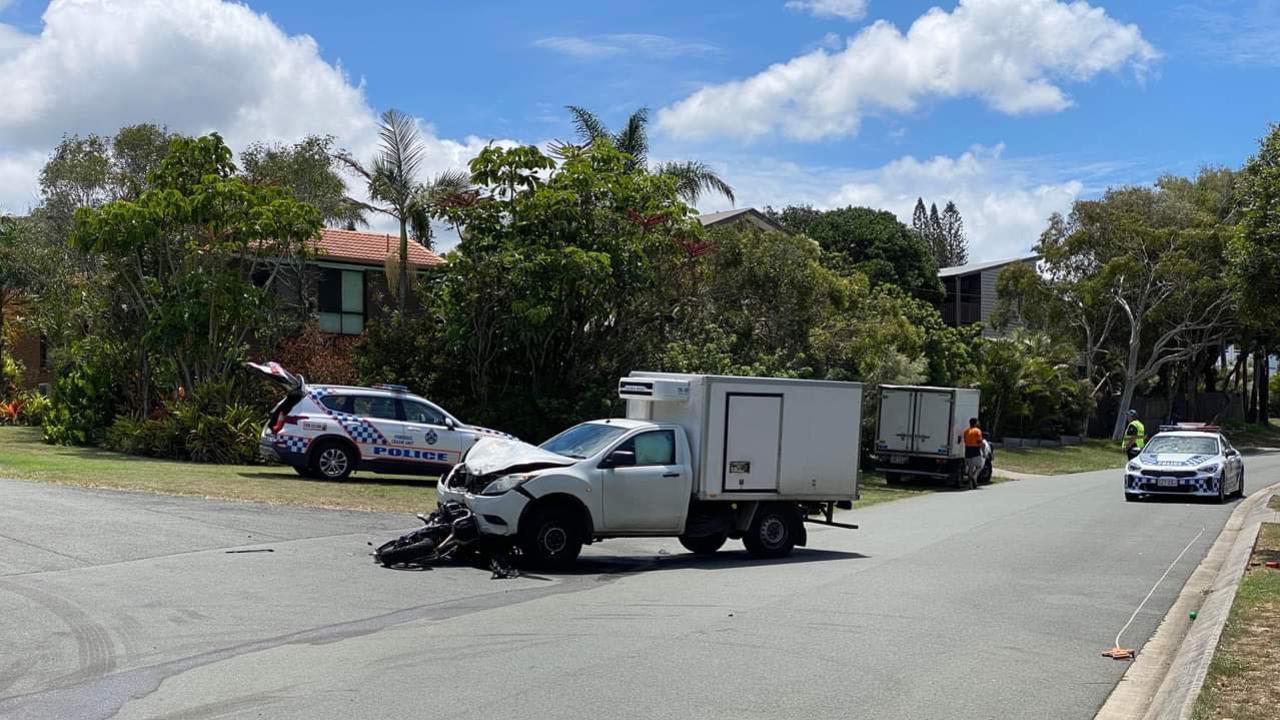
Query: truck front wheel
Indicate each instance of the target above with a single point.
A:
(773, 532)
(705, 544)
(551, 537)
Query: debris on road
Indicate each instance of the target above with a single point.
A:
(258, 550)
(1119, 653)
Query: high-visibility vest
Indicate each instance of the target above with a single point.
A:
(1139, 434)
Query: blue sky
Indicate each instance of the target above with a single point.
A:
(881, 101)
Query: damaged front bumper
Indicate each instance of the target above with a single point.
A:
(1184, 483)
(495, 514)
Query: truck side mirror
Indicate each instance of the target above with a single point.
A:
(619, 458)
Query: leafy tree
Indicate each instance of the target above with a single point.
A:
(796, 219)
(392, 180)
(955, 245)
(1159, 260)
(1255, 261)
(693, 178)
(86, 172)
(875, 244)
(1029, 386)
(560, 283)
(184, 253)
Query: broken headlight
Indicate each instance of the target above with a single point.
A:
(506, 483)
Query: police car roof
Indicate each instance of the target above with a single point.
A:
(369, 390)
(1188, 433)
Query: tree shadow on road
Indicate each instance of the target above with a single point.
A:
(374, 480)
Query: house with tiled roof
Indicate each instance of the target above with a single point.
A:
(346, 283)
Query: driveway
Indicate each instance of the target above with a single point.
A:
(976, 604)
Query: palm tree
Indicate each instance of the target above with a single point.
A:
(392, 180)
(693, 178)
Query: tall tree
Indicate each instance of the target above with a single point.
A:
(955, 246)
(1255, 260)
(392, 180)
(920, 220)
(693, 178)
(184, 253)
(89, 171)
(1161, 264)
(935, 236)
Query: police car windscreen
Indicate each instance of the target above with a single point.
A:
(1187, 445)
(583, 441)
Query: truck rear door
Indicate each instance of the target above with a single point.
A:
(895, 428)
(933, 422)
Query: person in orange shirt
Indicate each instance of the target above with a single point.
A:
(974, 460)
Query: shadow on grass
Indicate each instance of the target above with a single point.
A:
(388, 480)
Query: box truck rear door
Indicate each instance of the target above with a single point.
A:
(753, 438)
(933, 422)
(897, 414)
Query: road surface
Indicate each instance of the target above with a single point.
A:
(992, 603)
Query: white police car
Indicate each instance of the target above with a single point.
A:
(1188, 460)
(330, 431)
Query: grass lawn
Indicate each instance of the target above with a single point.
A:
(1244, 678)
(1255, 436)
(1092, 455)
(25, 457)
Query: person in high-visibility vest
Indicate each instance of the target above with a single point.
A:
(974, 460)
(1135, 435)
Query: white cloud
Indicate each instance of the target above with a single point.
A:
(634, 44)
(1004, 204)
(1010, 53)
(193, 65)
(845, 9)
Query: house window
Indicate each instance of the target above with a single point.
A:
(970, 299)
(341, 296)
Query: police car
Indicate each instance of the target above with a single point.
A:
(330, 431)
(1186, 460)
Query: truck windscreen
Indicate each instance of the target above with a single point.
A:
(583, 441)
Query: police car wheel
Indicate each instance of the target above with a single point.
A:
(333, 461)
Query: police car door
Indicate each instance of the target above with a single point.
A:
(435, 442)
(377, 428)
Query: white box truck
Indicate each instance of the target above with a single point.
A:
(701, 457)
(920, 431)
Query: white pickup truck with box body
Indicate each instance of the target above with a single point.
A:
(920, 431)
(700, 457)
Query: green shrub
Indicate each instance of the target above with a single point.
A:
(33, 408)
(10, 374)
(124, 436)
(229, 435)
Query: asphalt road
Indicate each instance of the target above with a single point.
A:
(994, 603)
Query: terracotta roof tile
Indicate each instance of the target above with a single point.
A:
(366, 248)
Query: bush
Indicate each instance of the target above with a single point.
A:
(83, 398)
(34, 409)
(10, 374)
(320, 357)
(183, 432)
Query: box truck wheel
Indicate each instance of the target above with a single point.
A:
(705, 544)
(773, 531)
(551, 536)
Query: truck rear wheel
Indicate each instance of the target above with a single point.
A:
(773, 532)
(704, 545)
(551, 537)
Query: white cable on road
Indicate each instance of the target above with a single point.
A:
(1153, 587)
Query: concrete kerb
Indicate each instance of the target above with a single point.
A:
(1165, 679)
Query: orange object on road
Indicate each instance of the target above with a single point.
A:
(1118, 653)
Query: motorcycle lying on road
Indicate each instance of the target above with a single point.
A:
(448, 534)
(450, 528)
